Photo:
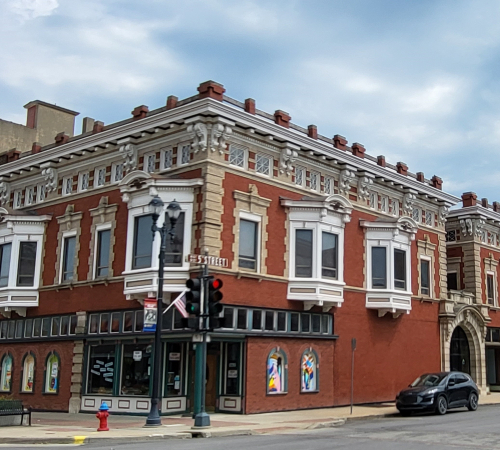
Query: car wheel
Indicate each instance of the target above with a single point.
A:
(473, 401)
(441, 405)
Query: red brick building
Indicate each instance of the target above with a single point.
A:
(325, 243)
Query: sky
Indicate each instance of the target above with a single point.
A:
(415, 80)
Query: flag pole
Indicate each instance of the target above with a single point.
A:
(173, 303)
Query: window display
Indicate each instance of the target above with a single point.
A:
(6, 384)
(276, 372)
(136, 369)
(101, 369)
(309, 372)
(173, 373)
(28, 373)
(52, 374)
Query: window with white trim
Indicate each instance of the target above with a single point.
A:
(41, 192)
(384, 204)
(18, 202)
(417, 215)
(248, 249)
(117, 172)
(83, 181)
(389, 266)
(314, 181)
(263, 164)
(99, 177)
(395, 207)
(167, 158)
(149, 162)
(373, 200)
(425, 276)
(30, 195)
(328, 189)
(429, 218)
(237, 156)
(184, 155)
(102, 251)
(300, 175)
(67, 185)
(143, 242)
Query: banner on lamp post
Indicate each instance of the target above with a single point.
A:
(150, 314)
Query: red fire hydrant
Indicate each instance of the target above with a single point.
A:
(102, 415)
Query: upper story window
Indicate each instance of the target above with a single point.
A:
(116, 172)
(67, 185)
(384, 204)
(167, 158)
(429, 218)
(425, 277)
(175, 245)
(300, 175)
(395, 207)
(27, 264)
(100, 177)
(5, 252)
(41, 192)
(30, 195)
(83, 181)
(263, 164)
(248, 244)
(417, 215)
(490, 289)
(372, 200)
(389, 254)
(68, 259)
(102, 252)
(18, 199)
(328, 186)
(143, 242)
(149, 162)
(185, 155)
(452, 281)
(237, 155)
(329, 255)
(314, 181)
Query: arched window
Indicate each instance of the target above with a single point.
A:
(6, 374)
(276, 372)
(309, 371)
(52, 366)
(28, 377)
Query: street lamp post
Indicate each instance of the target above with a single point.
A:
(173, 211)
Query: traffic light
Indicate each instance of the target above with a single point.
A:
(214, 297)
(193, 296)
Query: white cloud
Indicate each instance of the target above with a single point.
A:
(31, 9)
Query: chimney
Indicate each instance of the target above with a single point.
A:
(171, 101)
(358, 150)
(61, 138)
(140, 112)
(13, 155)
(36, 148)
(402, 168)
(312, 131)
(437, 182)
(340, 142)
(211, 89)
(496, 206)
(282, 118)
(381, 160)
(87, 124)
(469, 199)
(420, 177)
(484, 202)
(98, 127)
(250, 105)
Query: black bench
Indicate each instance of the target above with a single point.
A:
(14, 408)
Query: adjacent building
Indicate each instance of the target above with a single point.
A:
(325, 243)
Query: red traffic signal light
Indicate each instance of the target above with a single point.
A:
(214, 296)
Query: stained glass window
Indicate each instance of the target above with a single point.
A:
(309, 369)
(6, 379)
(28, 373)
(276, 372)
(52, 374)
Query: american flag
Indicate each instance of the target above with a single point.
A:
(180, 304)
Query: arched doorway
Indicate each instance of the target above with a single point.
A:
(459, 351)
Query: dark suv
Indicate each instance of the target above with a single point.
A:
(438, 392)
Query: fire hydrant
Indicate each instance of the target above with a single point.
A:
(102, 415)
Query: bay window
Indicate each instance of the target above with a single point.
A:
(5, 251)
(388, 269)
(317, 250)
(143, 242)
(27, 263)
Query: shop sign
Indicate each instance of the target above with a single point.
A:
(150, 313)
(232, 374)
(137, 355)
(174, 356)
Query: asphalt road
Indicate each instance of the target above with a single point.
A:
(456, 430)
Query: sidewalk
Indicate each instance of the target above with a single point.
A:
(62, 428)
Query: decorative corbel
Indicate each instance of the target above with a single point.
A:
(218, 137)
(443, 212)
(129, 154)
(466, 225)
(364, 183)
(199, 134)
(478, 227)
(408, 203)
(346, 177)
(287, 159)
(4, 193)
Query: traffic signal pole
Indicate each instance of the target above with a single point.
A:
(202, 419)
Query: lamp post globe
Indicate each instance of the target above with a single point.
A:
(173, 211)
(156, 207)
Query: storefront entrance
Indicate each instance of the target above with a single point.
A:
(459, 351)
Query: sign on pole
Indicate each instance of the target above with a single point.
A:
(150, 312)
(206, 259)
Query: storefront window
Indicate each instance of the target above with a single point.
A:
(28, 373)
(6, 384)
(101, 369)
(309, 371)
(174, 369)
(52, 374)
(232, 368)
(276, 372)
(136, 369)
